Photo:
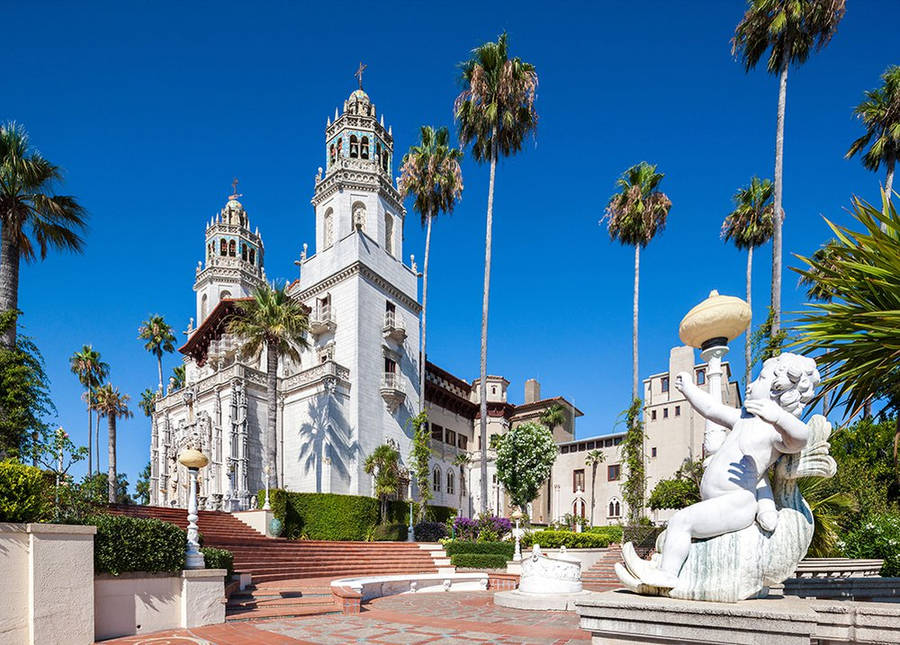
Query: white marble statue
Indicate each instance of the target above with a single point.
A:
(550, 574)
(746, 532)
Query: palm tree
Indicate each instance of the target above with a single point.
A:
(432, 174)
(554, 416)
(634, 216)
(160, 338)
(273, 321)
(384, 463)
(496, 112)
(91, 371)
(880, 114)
(593, 459)
(179, 377)
(30, 214)
(750, 225)
(113, 405)
(789, 30)
(461, 461)
(147, 402)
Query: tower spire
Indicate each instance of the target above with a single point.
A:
(234, 192)
(359, 73)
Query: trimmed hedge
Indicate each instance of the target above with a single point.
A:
(568, 539)
(23, 495)
(398, 512)
(218, 559)
(137, 544)
(478, 561)
(459, 547)
(390, 533)
(613, 532)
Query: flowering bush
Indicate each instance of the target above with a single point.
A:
(878, 537)
(486, 528)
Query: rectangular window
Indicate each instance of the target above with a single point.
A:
(578, 480)
(665, 383)
(608, 443)
(612, 472)
(590, 445)
(677, 410)
(463, 442)
(653, 415)
(665, 413)
(437, 432)
(565, 450)
(617, 441)
(451, 437)
(390, 367)
(701, 376)
(653, 451)
(581, 447)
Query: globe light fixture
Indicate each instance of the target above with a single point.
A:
(193, 460)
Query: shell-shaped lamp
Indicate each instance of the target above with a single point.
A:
(517, 515)
(190, 458)
(716, 317)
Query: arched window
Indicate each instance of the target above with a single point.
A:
(253, 257)
(364, 148)
(389, 233)
(436, 480)
(243, 252)
(377, 151)
(203, 307)
(618, 512)
(612, 510)
(359, 217)
(578, 508)
(340, 147)
(232, 248)
(328, 229)
(385, 161)
(450, 482)
(331, 154)
(354, 147)
(223, 248)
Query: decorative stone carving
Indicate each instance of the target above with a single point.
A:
(750, 533)
(543, 574)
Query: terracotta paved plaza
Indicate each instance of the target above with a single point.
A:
(442, 618)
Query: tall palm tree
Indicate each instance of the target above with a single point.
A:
(91, 372)
(496, 112)
(179, 374)
(147, 402)
(432, 174)
(461, 461)
(113, 405)
(160, 338)
(32, 217)
(384, 464)
(880, 114)
(634, 216)
(273, 321)
(750, 225)
(593, 459)
(789, 30)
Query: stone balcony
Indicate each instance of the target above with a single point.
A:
(321, 321)
(394, 328)
(392, 390)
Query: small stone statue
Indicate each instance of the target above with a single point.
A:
(752, 532)
(319, 175)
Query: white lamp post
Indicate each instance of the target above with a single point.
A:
(709, 327)
(410, 530)
(193, 460)
(266, 506)
(517, 533)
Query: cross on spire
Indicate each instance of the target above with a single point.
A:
(359, 73)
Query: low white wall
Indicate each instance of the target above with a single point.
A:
(140, 603)
(371, 587)
(47, 572)
(257, 520)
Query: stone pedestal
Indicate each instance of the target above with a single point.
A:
(621, 617)
(202, 597)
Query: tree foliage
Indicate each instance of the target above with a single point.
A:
(420, 457)
(639, 210)
(673, 493)
(634, 488)
(524, 460)
(142, 486)
(751, 222)
(880, 115)
(384, 464)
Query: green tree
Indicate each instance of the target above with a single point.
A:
(24, 394)
(147, 402)
(880, 114)
(634, 216)
(143, 485)
(420, 458)
(57, 455)
(496, 112)
(856, 336)
(159, 338)
(273, 321)
(524, 460)
(431, 173)
(384, 464)
(828, 511)
(113, 405)
(91, 372)
(554, 416)
(462, 461)
(593, 459)
(750, 225)
(32, 218)
(96, 490)
(683, 489)
(788, 30)
(179, 376)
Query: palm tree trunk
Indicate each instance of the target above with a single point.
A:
(271, 413)
(97, 442)
(779, 190)
(159, 369)
(634, 333)
(111, 472)
(424, 312)
(593, 487)
(748, 350)
(9, 279)
(90, 436)
(889, 179)
(482, 385)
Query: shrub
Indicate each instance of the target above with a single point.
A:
(430, 531)
(398, 511)
(137, 544)
(455, 547)
(485, 528)
(323, 516)
(218, 559)
(877, 537)
(390, 533)
(478, 561)
(614, 533)
(23, 496)
(568, 539)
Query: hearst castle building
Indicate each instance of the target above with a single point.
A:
(356, 386)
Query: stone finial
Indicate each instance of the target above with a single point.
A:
(412, 263)
(199, 266)
(390, 130)
(382, 120)
(319, 175)
(303, 252)
(335, 114)
(328, 122)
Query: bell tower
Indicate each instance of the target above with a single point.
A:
(234, 258)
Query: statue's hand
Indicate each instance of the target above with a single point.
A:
(682, 380)
(767, 410)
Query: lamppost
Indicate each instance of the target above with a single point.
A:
(517, 533)
(193, 460)
(410, 530)
(266, 506)
(709, 327)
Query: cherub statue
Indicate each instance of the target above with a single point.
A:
(735, 489)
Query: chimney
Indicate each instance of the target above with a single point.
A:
(532, 391)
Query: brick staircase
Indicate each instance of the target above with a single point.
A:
(291, 577)
(602, 576)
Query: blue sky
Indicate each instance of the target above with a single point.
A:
(152, 108)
